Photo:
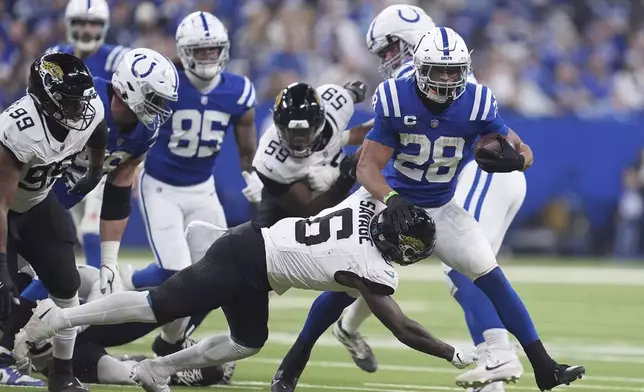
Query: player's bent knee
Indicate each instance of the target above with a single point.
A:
(487, 271)
(66, 288)
(244, 350)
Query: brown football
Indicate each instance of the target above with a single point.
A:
(487, 142)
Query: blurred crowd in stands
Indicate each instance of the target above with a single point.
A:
(541, 57)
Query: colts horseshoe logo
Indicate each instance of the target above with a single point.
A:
(146, 73)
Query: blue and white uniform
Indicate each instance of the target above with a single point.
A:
(177, 185)
(101, 63)
(430, 152)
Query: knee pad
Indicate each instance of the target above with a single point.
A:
(66, 288)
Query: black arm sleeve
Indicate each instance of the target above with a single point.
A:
(116, 202)
(273, 187)
(98, 139)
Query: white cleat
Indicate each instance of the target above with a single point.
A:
(40, 327)
(145, 375)
(498, 365)
(126, 273)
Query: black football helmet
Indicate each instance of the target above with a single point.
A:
(412, 245)
(62, 87)
(299, 117)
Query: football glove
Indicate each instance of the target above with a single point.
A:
(322, 177)
(508, 160)
(357, 89)
(348, 167)
(254, 186)
(464, 357)
(88, 182)
(398, 213)
(110, 277)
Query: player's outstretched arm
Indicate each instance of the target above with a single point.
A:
(522, 148)
(355, 136)
(389, 313)
(373, 159)
(246, 137)
(115, 212)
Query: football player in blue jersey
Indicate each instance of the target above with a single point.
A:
(87, 22)
(493, 200)
(430, 121)
(176, 184)
(136, 104)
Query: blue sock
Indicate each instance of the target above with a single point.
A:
(326, 309)
(92, 249)
(508, 305)
(36, 291)
(480, 313)
(150, 276)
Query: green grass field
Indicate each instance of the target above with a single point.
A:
(587, 313)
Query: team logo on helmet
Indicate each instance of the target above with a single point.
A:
(52, 69)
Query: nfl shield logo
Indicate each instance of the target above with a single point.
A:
(204, 99)
(434, 123)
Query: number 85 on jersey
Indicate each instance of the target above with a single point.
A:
(197, 134)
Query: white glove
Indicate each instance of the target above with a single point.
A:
(109, 275)
(254, 186)
(464, 357)
(321, 178)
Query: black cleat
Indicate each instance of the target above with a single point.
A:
(562, 375)
(65, 382)
(283, 383)
(162, 348)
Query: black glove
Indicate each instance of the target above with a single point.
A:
(88, 182)
(357, 89)
(398, 213)
(8, 291)
(348, 167)
(508, 160)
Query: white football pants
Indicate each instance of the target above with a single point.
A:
(167, 210)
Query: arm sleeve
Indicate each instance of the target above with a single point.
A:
(273, 187)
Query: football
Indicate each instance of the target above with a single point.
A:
(488, 142)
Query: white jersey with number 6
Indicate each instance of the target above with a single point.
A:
(274, 162)
(307, 253)
(25, 133)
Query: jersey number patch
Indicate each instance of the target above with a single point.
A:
(306, 229)
(197, 134)
(275, 146)
(442, 169)
(22, 120)
(39, 177)
(335, 99)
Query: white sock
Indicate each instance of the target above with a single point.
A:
(117, 308)
(497, 339)
(64, 339)
(112, 371)
(215, 350)
(175, 331)
(355, 315)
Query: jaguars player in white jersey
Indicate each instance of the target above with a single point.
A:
(492, 198)
(40, 135)
(300, 158)
(135, 110)
(87, 23)
(346, 248)
(176, 185)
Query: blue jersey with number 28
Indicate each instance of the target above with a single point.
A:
(430, 149)
(190, 141)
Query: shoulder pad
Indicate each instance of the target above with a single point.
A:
(338, 105)
(385, 100)
(483, 101)
(114, 56)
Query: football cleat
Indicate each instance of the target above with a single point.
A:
(229, 370)
(562, 375)
(11, 376)
(283, 383)
(38, 328)
(358, 348)
(144, 374)
(496, 365)
(65, 382)
(494, 387)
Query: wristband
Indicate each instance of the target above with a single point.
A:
(389, 196)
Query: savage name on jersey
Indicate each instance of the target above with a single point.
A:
(121, 146)
(189, 143)
(307, 253)
(25, 132)
(432, 147)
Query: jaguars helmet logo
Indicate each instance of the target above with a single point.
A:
(51, 69)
